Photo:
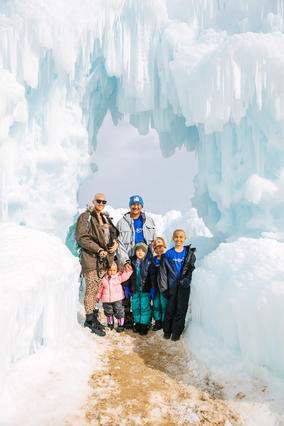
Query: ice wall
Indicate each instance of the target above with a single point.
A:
(237, 299)
(205, 74)
(43, 144)
(38, 294)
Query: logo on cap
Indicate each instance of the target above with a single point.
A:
(136, 199)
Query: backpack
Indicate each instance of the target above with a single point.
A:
(70, 240)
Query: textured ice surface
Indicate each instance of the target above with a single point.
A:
(166, 224)
(39, 292)
(204, 74)
(237, 299)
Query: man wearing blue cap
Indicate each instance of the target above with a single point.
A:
(134, 226)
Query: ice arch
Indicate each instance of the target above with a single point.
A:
(207, 74)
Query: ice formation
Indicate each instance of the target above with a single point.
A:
(207, 74)
(204, 74)
(38, 293)
(239, 301)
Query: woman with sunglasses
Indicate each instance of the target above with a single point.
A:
(97, 237)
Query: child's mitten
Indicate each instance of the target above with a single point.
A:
(127, 292)
(152, 293)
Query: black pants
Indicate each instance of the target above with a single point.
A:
(176, 311)
(127, 309)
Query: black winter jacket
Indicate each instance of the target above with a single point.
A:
(147, 276)
(168, 277)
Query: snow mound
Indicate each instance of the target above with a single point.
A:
(39, 292)
(238, 298)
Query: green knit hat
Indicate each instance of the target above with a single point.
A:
(141, 246)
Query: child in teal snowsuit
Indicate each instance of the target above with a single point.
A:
(141, 286)
(159, 302)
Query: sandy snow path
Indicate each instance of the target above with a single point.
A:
(146, 380)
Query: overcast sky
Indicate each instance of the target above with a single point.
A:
(132, 164)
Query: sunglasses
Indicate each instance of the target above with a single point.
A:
(101, 201)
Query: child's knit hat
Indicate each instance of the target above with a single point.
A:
(159, 242)
(141, 246)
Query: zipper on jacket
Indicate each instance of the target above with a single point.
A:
(109, 292)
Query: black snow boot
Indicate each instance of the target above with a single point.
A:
(96, 313)
(128, 323)
(157, 326)
(89, 321)
(98, 331)
(92, 325)
(143, 329)
(175, 337)
(137, 327)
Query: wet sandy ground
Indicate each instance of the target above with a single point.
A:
(147, 380)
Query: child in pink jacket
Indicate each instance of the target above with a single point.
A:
(111, 292)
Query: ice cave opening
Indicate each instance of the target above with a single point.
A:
(127, 163)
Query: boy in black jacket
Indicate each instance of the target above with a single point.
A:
(175, 277)
(141, 286)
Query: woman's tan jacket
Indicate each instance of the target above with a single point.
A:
(90, 237)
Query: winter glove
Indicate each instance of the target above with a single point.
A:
(152, 293)
(127, 292)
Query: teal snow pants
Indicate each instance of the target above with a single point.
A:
(141, 309)
(159, 307)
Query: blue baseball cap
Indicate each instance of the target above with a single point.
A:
(136, 199)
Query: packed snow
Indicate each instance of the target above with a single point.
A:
(237, 298)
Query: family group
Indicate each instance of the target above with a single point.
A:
(128, 268)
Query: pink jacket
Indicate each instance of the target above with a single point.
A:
(111, 289)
